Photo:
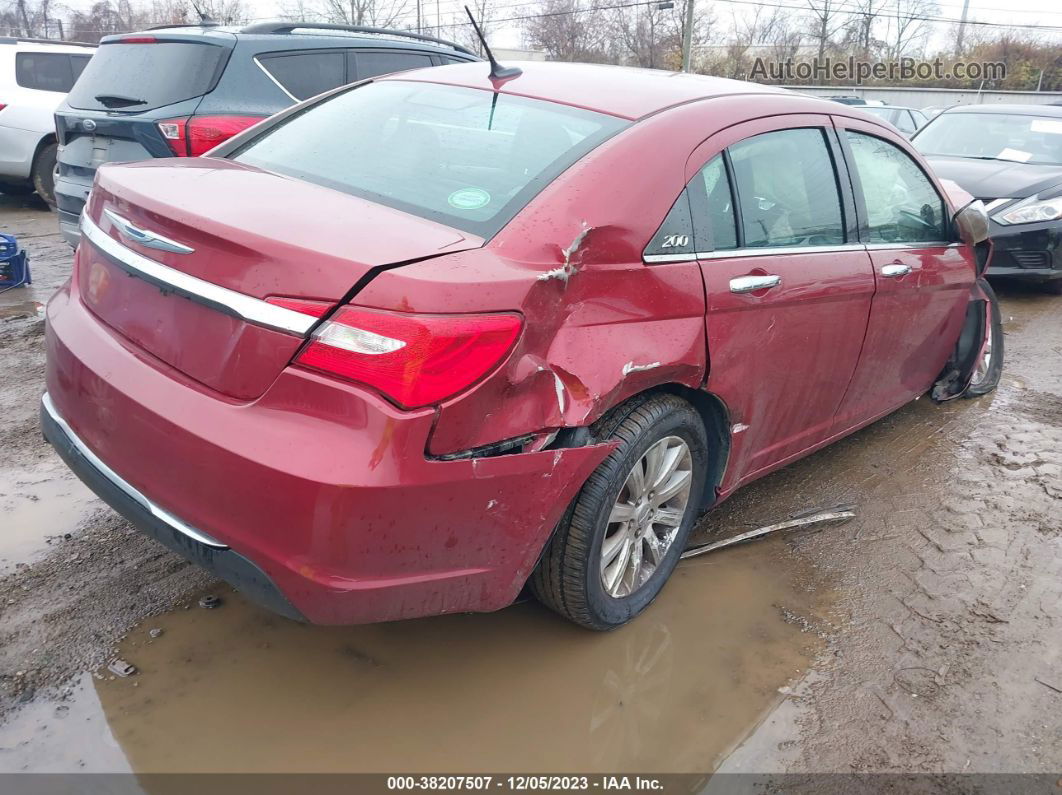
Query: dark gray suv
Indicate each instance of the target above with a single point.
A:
(180, 91)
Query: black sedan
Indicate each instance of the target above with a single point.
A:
(1010, 157)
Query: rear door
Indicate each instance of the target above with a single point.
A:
(923, 279)
(788, 287)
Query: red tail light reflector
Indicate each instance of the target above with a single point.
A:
(137, 40)
(304, 305)
(199, 134)
(414, 360)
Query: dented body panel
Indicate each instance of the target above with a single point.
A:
(359, 510)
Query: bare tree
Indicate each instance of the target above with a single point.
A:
(908, 28)
(568, 30)
(650, 35)
(373, 13)
(828, 17)
(861, 25)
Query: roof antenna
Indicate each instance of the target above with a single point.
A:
(204, 19)
(497, 71)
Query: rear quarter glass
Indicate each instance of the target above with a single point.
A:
(463, 157)
(151, 75)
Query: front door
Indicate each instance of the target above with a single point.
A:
(789, 289)
(923, 280)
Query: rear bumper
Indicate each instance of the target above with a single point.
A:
(71, 194)
(318, 491)
(149, 518)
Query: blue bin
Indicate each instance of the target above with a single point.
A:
(14, 264)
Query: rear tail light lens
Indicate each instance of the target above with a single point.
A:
(137, 40)
(199, 134)
(2, 106)
(414, 360)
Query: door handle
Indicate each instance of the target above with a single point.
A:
(895, 270)
(750, 284)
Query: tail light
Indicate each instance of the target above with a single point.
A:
(414, 360)
(2, 106)
(199, 134)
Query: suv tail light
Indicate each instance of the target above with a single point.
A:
(2, 106)
(196, 135)
(414, 360)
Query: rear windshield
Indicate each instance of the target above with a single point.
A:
(135, 77)
(467, 158)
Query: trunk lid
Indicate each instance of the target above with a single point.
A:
(253, 234)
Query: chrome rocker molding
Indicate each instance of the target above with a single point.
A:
(160, 514)
(253, 310)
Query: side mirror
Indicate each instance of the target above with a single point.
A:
(971, 223)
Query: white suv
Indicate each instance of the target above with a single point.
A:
(35, 76)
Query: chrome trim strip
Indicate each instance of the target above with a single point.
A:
(117, 480)
(990, 206)
(776, 251)
(253, 310)
(910, 246)
(145, 237)
(653, 258)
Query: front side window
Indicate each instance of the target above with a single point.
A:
(902, 204)
(466, 158)
(787, 189)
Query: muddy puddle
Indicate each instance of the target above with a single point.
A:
(39, 505)
(235, 689)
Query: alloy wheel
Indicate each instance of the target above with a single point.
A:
(646, 517)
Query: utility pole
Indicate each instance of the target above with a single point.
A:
(420, 28)
(687, 36)
(962, 26)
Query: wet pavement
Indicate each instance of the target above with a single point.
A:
(923, 636)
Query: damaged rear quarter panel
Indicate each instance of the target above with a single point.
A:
(599, 324)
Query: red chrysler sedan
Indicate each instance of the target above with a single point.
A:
(412, 345)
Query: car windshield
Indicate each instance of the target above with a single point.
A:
(994, 136)
(464, 157)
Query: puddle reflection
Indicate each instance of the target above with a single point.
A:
(235, 689)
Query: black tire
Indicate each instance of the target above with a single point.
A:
(995, 369)
(568, 577)
(44, 173)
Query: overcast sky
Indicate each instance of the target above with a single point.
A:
(1047, 13)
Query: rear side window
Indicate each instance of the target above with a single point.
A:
(46, 71)
(144, 76)
(306, 74)
(788, 189)
(901, 203)
(372, 64)
(463, 157)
